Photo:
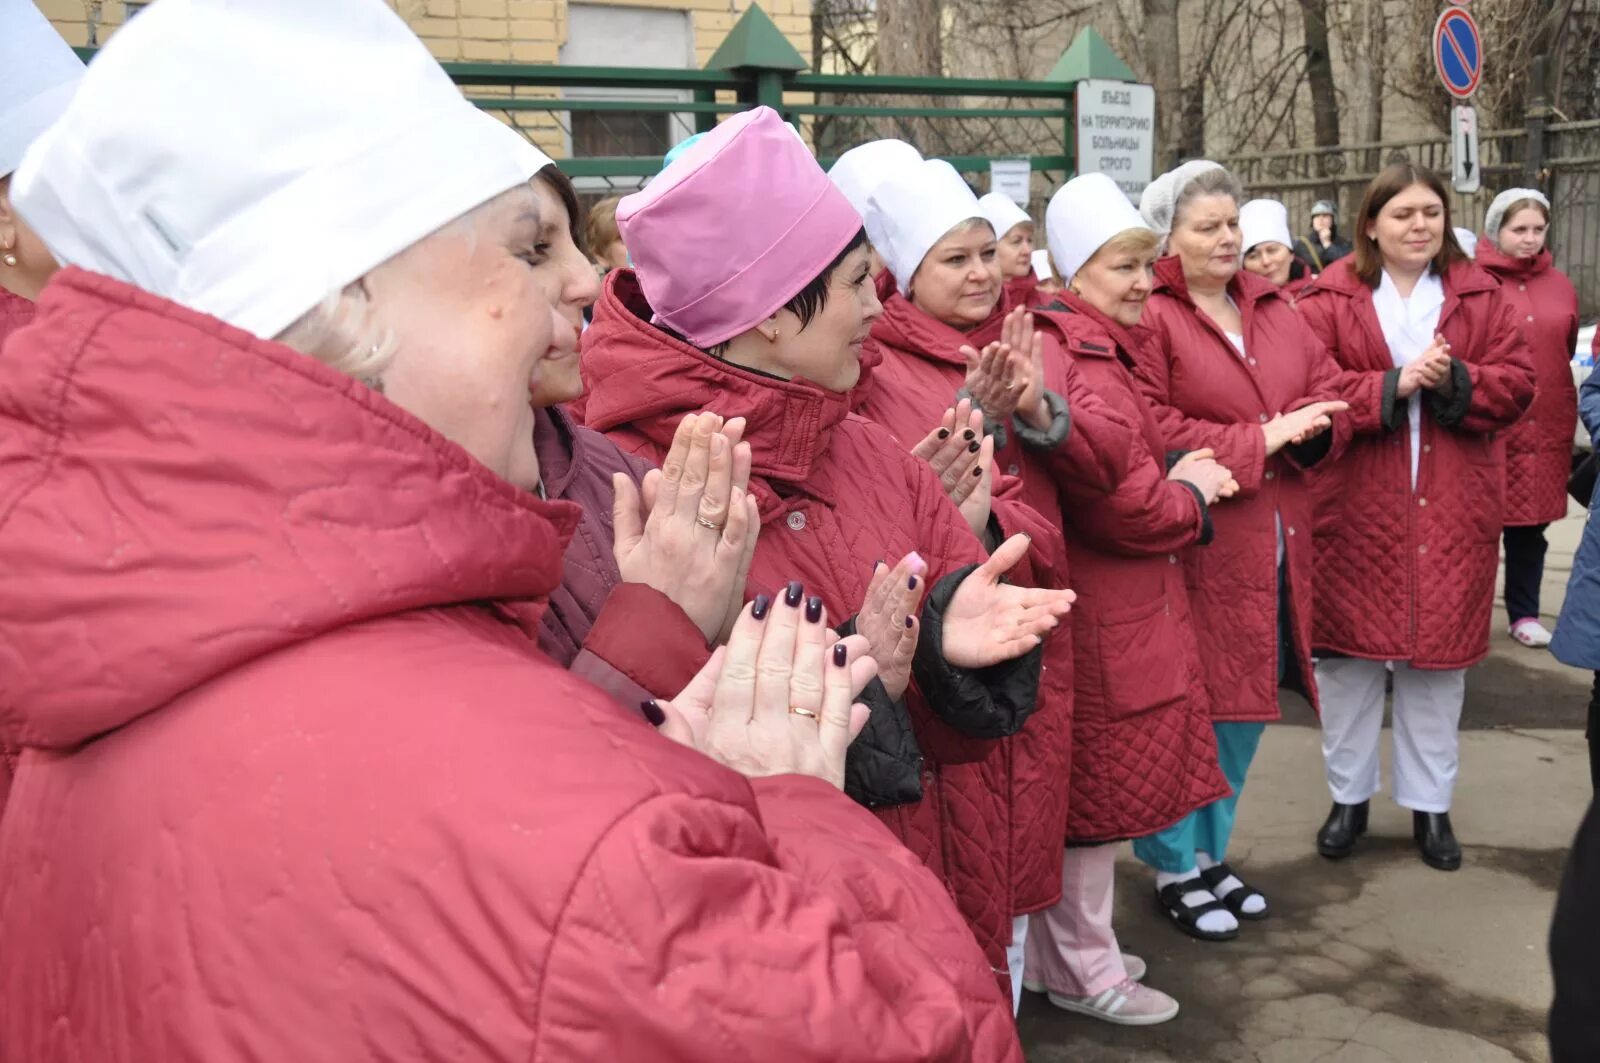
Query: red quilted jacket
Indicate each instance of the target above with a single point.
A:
(1205, 395)
(15, 311)
(1405, 575)
(919, 369)
(1539, 446)
(592, 624)
(291, 790)
(837, 493)
(1143, 753)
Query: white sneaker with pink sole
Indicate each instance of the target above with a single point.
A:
(1531, 633)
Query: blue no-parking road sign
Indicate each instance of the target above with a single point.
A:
(1458, 52)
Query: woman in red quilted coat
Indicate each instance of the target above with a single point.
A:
(1539, 446)
(267, 632)
(944, 302)
(1435, 367)
(773, 320)
(1228, 366)
(1143, 750)
(1268, 247)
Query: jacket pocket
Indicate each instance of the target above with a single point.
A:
(1142, 666)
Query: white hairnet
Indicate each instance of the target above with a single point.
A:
(1160, 199)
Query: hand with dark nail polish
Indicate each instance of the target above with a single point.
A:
(652, 713)
(793, 593)
(814, 610)
(969, 435)
(841, 654)
(911, 584)
(909, 621)
(759, 607)
(973, 448)
(978, 471)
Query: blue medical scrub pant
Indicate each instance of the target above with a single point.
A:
(1206, 829)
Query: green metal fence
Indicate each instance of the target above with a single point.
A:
(610, 126)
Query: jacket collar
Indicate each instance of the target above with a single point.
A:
(1460, 279)
(913, 332)
(1122, 342)
(1503, 266)
(639, 377)
(225, 497)
(1246, 289)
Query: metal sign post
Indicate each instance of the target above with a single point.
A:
(1465, 166)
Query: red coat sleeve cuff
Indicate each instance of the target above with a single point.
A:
(662, 661)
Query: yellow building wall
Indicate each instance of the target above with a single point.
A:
(519, 31)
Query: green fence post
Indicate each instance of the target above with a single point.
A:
(756, 50)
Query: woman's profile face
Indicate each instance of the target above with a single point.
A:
(827, 350)
(570, 284)
(473, 323)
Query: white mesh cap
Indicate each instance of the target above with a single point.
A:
(1495, 216)
(1160, 198)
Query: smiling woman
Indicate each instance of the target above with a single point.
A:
(1435, 366)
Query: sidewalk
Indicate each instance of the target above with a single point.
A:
(1377, 958)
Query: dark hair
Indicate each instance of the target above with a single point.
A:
(561, 185)
(808, 301)
(1396, 178)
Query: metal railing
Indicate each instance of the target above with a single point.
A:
(599, 121)
(1570, 177)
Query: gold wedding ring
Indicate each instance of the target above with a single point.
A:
(798, 710)
(707, 524)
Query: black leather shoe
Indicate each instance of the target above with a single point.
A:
(1436, 840)
(1346, 823)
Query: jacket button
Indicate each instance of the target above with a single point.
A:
(1270, 474)
(1291, 529)
(1422, 501)
(797, 522)
(1172, 559)
(1422, 549)
(1427, 448)
(1522, 287)
(1530, 317)
(1252, 361)
(1012, 469)
(1263, 418)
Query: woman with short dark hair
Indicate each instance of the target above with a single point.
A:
(1408, 522)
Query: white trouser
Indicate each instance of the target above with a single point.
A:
(1427, 714)
(1014, 956)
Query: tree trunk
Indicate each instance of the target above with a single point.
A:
(1163, 59)
(909, 35)
(1319, 74)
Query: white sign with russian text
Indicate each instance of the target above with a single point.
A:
(1012, 177)
(1116, 124)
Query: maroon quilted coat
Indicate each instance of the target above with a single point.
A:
(1403, 575)
(1205, 395)
(292, 789)
(15, 311)
(919, 370)
(1144, 754)
(836, 494)
(592, 625)
(1539, 446)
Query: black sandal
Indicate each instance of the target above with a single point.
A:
(1170, 899)
(1216, 874)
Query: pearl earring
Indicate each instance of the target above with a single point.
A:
(10, 259)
